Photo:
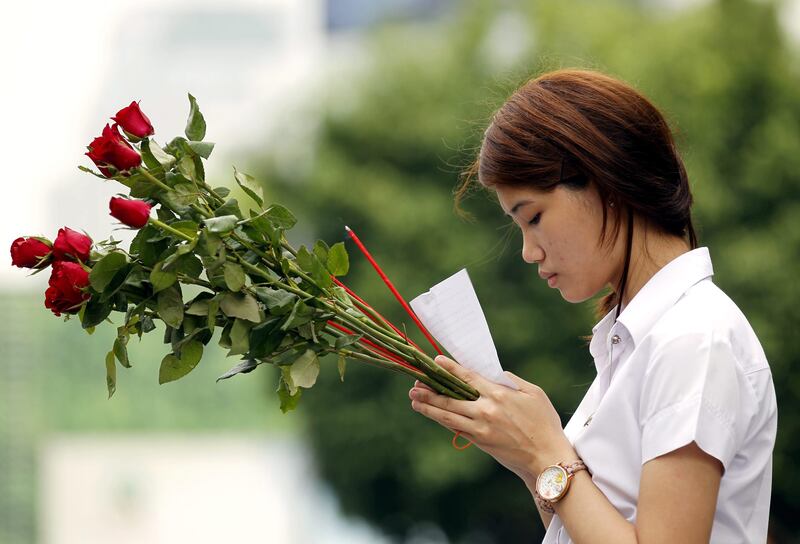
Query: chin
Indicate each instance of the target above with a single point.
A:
(575, 297)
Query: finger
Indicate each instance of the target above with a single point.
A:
(418, 383)
(451, 420)
(462, 407)
(472, 378)
(522, 384)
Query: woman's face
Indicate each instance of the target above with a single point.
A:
(561, 232)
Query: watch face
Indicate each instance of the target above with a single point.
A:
(552, 482)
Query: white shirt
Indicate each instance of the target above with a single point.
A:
(681, 364)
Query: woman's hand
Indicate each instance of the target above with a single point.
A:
(520, 429)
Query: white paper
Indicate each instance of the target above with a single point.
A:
(452, 314)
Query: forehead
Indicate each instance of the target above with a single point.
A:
(513, 199)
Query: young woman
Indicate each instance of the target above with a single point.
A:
(673, 440)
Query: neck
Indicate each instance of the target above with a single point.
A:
(650, 252)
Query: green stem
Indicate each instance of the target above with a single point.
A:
(154, 179)
(167, 228)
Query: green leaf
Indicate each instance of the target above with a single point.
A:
(310, 264)
(111, 374)
(161, 279)
(208, 243)
(138, 277)
(305, 259)
(222, 191)
(338, 261)
(223, 224)
(188, 168)
(301, 313)
(244, 180)
(121, 352)
(148, 244)
(105, 269)
(162, 157)
(234, 276)
(195, 124)
(231, 207)
(240, 337)
(341, 294)
(288, 400)
(202, 148)
(147, 324)
(240, 305)
(95, 313)
(278, 301)
(170, 306)
(305, 369)
(344, 341)
(266, 337)
(321, 250)
(281, 217)
(189, 265)
(248, 365)
(342, 365)
(213, 309)
(182, 196)
(186, 226)
(174, 367)
(198, 307)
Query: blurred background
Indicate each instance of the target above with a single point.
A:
(361, 113)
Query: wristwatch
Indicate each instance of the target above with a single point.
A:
(553, 483)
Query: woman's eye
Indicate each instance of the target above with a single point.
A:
(535, 220)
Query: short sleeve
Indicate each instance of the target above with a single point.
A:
(691, 392)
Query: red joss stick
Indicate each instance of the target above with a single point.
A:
(407, 309)
(392, 288)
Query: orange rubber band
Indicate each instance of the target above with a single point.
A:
(456, 446)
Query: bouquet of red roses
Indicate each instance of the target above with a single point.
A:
(272, 303)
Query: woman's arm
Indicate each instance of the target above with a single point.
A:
(522, 431)
(677, 500)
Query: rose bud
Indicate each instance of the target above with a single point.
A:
(133, 121)
(133, 213)
(30, 252)
(70, 243)
(111, 149)
(65, 294)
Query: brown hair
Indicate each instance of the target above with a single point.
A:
(574, 127)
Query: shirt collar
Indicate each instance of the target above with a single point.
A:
(656, 296)
(663, 290)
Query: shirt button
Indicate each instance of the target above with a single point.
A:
(615, 339)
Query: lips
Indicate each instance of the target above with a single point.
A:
(549, 277)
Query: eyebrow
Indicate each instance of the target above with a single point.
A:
(518, 205)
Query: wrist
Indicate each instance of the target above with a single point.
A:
(565, 453)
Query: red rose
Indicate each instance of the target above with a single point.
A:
(112, 149)
(133, 121)
(133, 213)
(29, 252)
(64, 294)
(70, 243)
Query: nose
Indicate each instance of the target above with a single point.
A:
(531, 251)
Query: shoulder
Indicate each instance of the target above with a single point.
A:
(706, 319)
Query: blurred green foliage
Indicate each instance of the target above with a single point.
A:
(384, 162)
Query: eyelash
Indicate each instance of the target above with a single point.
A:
(536, 219)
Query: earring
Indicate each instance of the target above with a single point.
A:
(611, 204)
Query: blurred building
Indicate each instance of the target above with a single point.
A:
(158, 489)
